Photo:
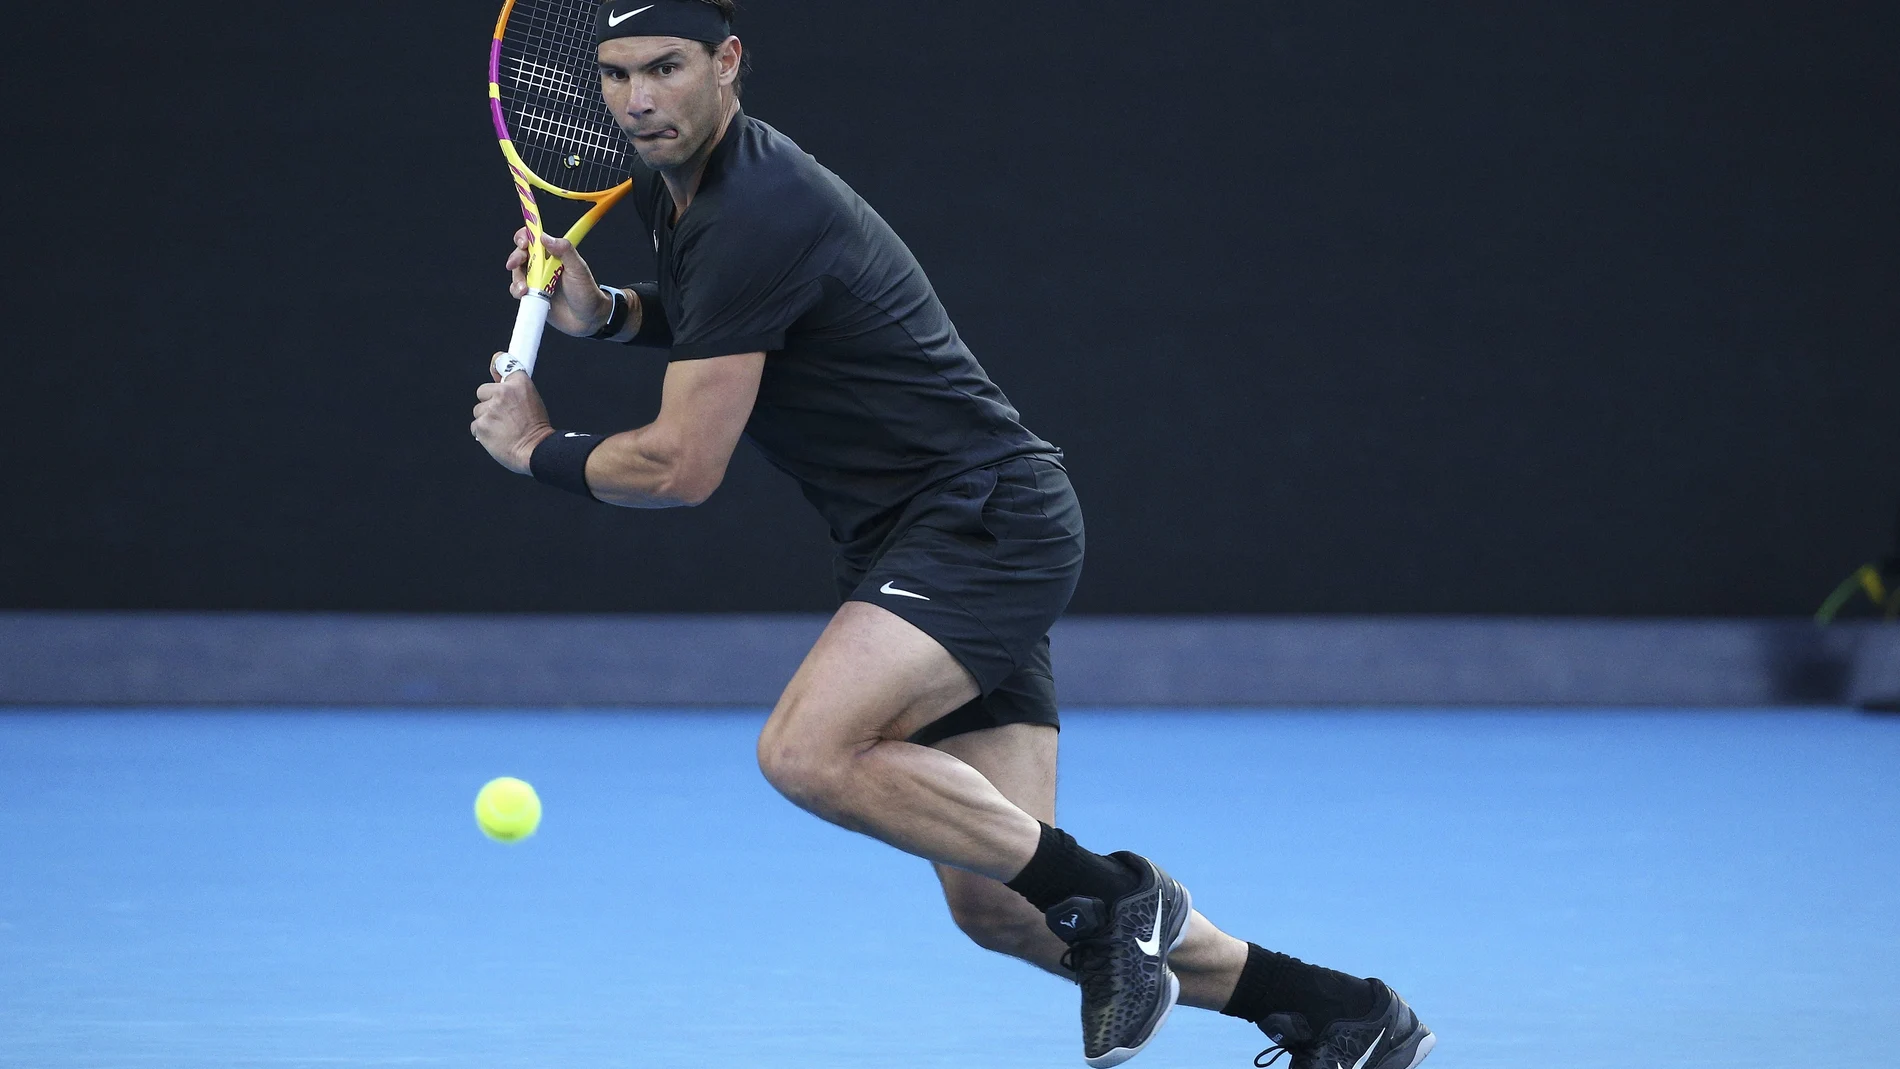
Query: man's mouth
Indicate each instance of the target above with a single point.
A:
(666, 133)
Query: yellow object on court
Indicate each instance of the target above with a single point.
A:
(508, 810)
(1867, 580)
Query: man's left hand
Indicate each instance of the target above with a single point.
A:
(510, 420)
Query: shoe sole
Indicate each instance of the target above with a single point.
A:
(1425, 1046)
(1121, 1054)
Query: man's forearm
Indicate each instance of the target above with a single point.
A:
(641, 469)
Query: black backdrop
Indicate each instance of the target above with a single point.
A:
(1355, 307)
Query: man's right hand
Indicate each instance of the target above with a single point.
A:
(580, 308)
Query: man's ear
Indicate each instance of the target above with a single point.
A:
(730, 53)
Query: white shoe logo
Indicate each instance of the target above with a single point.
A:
(615, 20)
(889, 589)
(1367, 1056)
(1151, 946)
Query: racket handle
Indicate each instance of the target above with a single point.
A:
(530, 320)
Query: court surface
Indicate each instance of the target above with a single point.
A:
(1556, 890)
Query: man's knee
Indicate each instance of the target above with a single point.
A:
(803, 769)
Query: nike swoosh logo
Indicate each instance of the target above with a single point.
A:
(576, 434)
(1367, 1056)
(615, 20)
(1151, 946)
(889, 589)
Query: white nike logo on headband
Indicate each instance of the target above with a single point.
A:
(615, 20)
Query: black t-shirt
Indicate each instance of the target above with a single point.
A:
(869, 397)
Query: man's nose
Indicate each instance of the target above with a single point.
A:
(639, 100)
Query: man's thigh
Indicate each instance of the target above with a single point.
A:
(871, 676)
(1018, 759)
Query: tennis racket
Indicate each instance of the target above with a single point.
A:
(1867, 579)
(544, 90)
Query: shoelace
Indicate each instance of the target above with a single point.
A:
(1281, 1048)
(1089, 960)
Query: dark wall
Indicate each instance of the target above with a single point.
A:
(1550, 308)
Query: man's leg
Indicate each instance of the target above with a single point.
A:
(1217, 971)
(837, 745)
(1020, 760)
(834, 746)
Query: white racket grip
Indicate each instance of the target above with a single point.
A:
(530, 320)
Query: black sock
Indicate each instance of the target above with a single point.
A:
(1274, 983)
(1062, 869)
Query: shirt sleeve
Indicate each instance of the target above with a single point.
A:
(655, 331)
(646, 190)
(744, 280)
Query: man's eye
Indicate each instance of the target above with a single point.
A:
(665, 69)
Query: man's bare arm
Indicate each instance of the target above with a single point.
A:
(680, 458)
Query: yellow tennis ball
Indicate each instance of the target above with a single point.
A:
(508, 810)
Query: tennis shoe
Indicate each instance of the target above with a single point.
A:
(1118, 952)
(1390, 1037)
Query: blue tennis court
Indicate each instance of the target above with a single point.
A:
(283, 888)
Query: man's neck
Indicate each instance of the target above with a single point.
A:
(683, 181)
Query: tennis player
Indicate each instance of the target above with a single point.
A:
(925, 715)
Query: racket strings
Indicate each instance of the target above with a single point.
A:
(549, 85)
(560, 130)
(532, 76)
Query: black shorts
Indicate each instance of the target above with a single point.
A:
(984, 563)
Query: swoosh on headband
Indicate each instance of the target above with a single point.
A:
(615, 20)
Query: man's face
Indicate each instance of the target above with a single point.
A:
(664, 92)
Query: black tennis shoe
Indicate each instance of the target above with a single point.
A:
(1119, 954)
(1390, 1037)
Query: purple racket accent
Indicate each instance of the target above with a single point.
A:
(494, 78)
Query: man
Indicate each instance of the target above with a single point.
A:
(925, 714)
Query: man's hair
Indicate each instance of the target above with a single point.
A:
(730, 8)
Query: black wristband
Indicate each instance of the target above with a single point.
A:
(560, 461)
(616, 315)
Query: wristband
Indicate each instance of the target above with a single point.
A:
(616, 315)
(560, 461)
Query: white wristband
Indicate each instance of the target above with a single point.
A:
(616, 312)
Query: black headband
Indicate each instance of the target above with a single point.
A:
(693, 20)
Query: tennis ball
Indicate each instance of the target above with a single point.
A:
(508, 810)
